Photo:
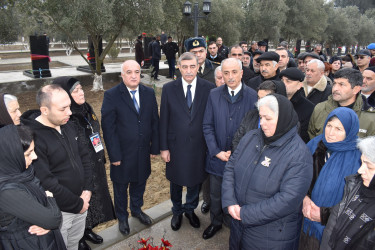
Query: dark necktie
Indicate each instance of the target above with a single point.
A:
(200, 70)
(188, 96)
(135, 100)
(232, 96)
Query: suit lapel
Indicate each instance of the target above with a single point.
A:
(127, 98)
(179, 91)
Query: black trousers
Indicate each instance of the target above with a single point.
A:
(192, 199)
(136, 191)
(156, 68)
(217, 214)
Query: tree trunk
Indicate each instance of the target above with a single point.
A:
(98, 82)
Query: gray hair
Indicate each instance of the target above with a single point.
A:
(319, 63)
(216, 70)
(230, 59)
(367, 147)
(122, 68)
(187, 56)
(9, 98)
(269, 101)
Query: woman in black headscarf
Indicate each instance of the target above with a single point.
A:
(351, 224)
(29, 218)
(88, 128)
(266, 179)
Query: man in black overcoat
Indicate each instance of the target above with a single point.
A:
(182, 143)
(131, 134)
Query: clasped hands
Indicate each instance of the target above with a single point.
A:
(310, 210)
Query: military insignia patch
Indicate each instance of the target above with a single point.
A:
(195, 43)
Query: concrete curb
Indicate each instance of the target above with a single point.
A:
(113, 236)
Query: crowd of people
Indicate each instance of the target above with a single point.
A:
(282, 150)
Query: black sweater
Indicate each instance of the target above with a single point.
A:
(63, 165)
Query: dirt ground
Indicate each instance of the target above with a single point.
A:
(157, 189)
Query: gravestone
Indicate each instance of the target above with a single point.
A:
(91, 56)
(40, 59)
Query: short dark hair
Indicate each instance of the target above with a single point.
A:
(268, 85)
(283, 44)
(44, 95)
(26, 136)
(282, 48)
(242, 42)
(169, 37)
(212, 42)
(354, 76)
(234, 47)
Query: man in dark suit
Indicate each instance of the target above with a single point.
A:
(131, 133)
(182, 143)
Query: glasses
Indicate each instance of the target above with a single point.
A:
(361, 57)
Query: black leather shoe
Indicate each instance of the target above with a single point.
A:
(176, 222)
(123, 226)
(93, 237)
(193, 219)
(143, 218)
(210, 231)
(205, 208)
(82, 245)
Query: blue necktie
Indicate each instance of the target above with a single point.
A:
(135, 100)
(188, 96)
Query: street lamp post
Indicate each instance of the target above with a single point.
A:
(196, 16)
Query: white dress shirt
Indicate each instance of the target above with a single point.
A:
(136, 95)
(192, 89)
(236, 90)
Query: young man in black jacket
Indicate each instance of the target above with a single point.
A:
(63, 165)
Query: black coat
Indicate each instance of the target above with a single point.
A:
(139, 55)
(304, 109)
(247, 74)
(63, 164)
(130, 137)
(101, 207)
(170, 50)
(181, 132)
(256, 81)
(156, 50)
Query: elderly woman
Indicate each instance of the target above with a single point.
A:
(29, 219)
(88, 128)
(351, 224)
(335, 156)
(9, 110)
(266, 179)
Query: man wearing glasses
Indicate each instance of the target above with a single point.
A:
(363, 59)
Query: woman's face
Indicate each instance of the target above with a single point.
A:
(336, 65)
(14, 112)
(334, 131)
(30, 155)
(78, 95)
(367, 170)
(268, 120)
